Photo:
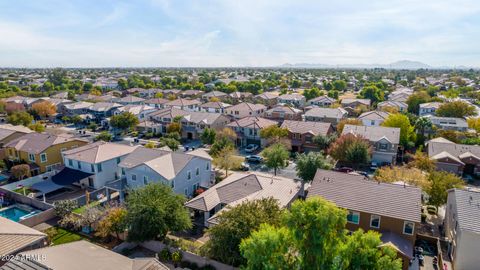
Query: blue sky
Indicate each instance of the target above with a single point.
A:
(178, 33)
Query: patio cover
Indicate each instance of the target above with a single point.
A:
(46, 186)
(399, 243)
(68, 176)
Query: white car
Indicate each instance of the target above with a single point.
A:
(251, 148)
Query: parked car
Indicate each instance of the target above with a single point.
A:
(254, 158)
(251, 148)
(244, 166)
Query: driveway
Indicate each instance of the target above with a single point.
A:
(288, 172)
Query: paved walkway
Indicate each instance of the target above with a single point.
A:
(47, 224)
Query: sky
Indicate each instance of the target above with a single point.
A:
(224, 33)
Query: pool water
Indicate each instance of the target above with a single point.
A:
(13, 213)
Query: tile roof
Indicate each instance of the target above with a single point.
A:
(98, 152)
(214, 94)
(355, 193)
(431, 105)
(302, 127)
(240, 94)
(293, 96)
(215, 104)
(391, 103)
(374, 115)
(246, 106)
(374, 133)
(156, 101)
(467, 204)
(183, 102)
(323, 99)
(284, 109)
(15, 236)
(363, 101)
(136, 109)
(252, 122)
(267, 95)
(203, 117)
(130, 99)
(36, 143)
(78, 105)
(336, 113)
(104, 106)
(440, 145)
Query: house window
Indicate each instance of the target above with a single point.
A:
(118, 160)
(189, 175)
(375, 221)
(173, 183)
(123, 171)
(70, 162)
(92, 167)
(145, 180)
(79, 165)
(186, 192)
(408, 227)
(31, 157)
(43, 157)
(99, 167)
(383, 146)
(197, 171)
(372, 123)
(208, 166)
(134, 177)
(353, 217)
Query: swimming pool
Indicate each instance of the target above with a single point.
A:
(16, 213)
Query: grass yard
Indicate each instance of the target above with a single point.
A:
(82, 209)
(60, 236)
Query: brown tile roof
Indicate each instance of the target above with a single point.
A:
(302, 127)
(252, 122)
(156, 101)
(440, 145)
(215, 104)
(374, 115)
(183, 102)
(246, 106)
(36, 143)
(355, 193)
(336, 113)
(15, 236)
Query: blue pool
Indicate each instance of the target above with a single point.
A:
(16, 213)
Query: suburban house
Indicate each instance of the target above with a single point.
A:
(171, 92)
(322, 101)
(398, 105)
(158, 103)
(9, 133)
(301, 134)
(189, 105)
(16, 237)
(140, 111)
(80, 255)
(280, 113)
(191, 93)
(449, 123)
(453, 157)
(148, 93)
(269, 99)
(214, 107)
(245, 109)
(428, 108)
(373, 118)
(102, 110)
(248, 130)
(76, 108)
(294, 99)
(130, 100)
(238, 188)
(213, 94)
(184, 172)
(352, 103)
(98, 160)
(462, 228)
(194, 123)
(329, 115)
(240, 96)
(400, 94)
(394, 210)
(166, 116)
(42, 151)
(384, 140)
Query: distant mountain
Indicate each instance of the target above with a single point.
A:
(403, 64)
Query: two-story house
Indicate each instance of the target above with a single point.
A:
(428, 108)
(248, 130)
(41, 150)
(462, 228)
(140, 111)
(449, 123)
(245, 109)
(184, 172)
(99, 159)
(268, 99)
(329, 115)
(166, 116)
(398, 105)
(373, 118)
(240, 96)
(102, 110)
(189, 105)
(280, 113)
(295, 100)
(351, 103)
(322, 101)
(194, 123)
(384, 141)
(213, 94)
(214, 107)
(158, 103)
(10, 132)
(301, 134)
(130, 100)
(454, 157)
(393, 210)
(76, 108)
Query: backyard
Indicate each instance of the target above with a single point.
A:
(58, 236)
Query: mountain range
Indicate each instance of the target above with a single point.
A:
(402, 64)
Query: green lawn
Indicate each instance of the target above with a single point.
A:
(82, 209)
(60, 236)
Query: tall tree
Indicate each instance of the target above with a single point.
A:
(401, 121)
(457, 109)
(417, 98)
(307, 165)
(348, 121)
(155, 210)
(20, 118)
(208, 136)
(373, 93)
(115, 221)
(274, 134)
(440, 183)
(226, 159)
(44, 109)
(351, 149)
(124, 121)
(276, 157)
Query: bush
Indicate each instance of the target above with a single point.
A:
(165, 255)
(432, 210)
(176, 257)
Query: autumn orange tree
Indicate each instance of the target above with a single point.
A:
(351, 149)
(44, 109)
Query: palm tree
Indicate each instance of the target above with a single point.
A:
(423, 124)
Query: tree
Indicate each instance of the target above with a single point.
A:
(64, 207)
(37, 127)
(474, 123)
(104, 136)
(440, 183)
(422, 125)
(114, 221)
(373, 93)
(351, 149)
(150, 144)
(92, 126)
(348, 121)
(174, 127)
(44, 109)
(208, 136)
(457, 109)
(415, 99)
(401, 121)
(235, 224)
(276, 157)
(324, 141)
(123, 121)
(153, 211)
(312, 93)
(172, 143)
(20, 171)
(224, 138)
(20, 118)
(226, 159)
(339, 85)
(273, 134)
(307, 165)
(76, 119)
(423, 162)
(409, 175)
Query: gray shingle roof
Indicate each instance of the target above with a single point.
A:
(302, 127)
(439, 145)
(36, 143)
(337, 113)
(353, 192)
(374, 133)
(468, 209)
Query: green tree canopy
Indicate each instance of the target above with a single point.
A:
(351, 149)
(20, 118)
(208, 136)
(155, 210)
(123, 121)
(307, 165)
(373, 93)
(417, 98)
(276, 157)
(407, 133)
(457, 109)
(440, 183)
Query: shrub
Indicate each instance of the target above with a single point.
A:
(432, 210)
(176, 257)
(424, 217)
(165, 255)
